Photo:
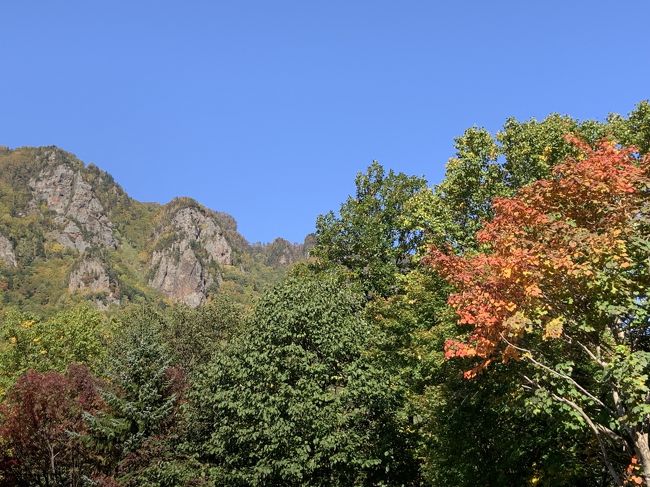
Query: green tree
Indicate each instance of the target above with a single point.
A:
(369, 237)
(198, 333)
(295, 401)
(635, 129)
(143, 392)
(463, 200)
(76, 335)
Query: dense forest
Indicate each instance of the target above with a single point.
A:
(492, 329)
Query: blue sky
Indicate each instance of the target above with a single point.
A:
(267, 109)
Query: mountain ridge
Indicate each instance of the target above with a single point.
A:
(69, 231)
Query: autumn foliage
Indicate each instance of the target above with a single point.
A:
(42, 424)
(559, 244)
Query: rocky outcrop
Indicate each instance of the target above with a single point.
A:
(54, 208)
(91, 277)
(281, 252)
(187, 245)
(80, 218)
(181, 278)
(196, 224)
(7, 254)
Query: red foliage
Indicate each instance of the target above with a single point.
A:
(178, 383)
(42, 418)
(543, 245)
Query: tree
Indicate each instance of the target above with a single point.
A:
(369, 237)
(635, 129)
(486, 167)
(453, 212)
(560, 283)
(144, 389)
(42, 428)
(76, 335)
(294, 401)
(198, 333)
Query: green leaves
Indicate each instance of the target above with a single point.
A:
(76, 335)
(373, 237)
(294, 401)
(630, 371)
(143, 391)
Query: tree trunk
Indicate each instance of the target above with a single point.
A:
(642, 450)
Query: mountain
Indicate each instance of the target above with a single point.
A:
(69, 232)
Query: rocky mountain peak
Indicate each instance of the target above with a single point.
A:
(281, 252)
(189, 248)
(80, 219)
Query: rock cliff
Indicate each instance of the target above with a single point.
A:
(90, 277)
(80, 220)
(7, 254)
(189, 245)
(69, 232)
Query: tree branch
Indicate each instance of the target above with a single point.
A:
(591, 354)
(529, 356)
(598, 429)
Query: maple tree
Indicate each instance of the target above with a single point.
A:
(42, 427)
(560, 282)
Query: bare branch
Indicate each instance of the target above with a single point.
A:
(529, 356)
(591, 354)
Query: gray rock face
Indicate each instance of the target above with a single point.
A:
(80, 216)
(181, 279)
(91, 277)
(198, 227)
(7, 254)
(181, 269)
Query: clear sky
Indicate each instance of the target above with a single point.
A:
(267, 109)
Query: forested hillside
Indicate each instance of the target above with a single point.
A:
(69, 233)
(490, 330)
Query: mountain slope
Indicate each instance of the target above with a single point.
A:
(69, 232)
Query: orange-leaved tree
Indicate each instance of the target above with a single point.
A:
(561, 285)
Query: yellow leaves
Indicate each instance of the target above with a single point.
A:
(507, 272)
(511, 306)
(517, 323)
(533, 291)
(554, 328)
(52, 248)
(13, 340)
(510, 353)
(26, 325)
